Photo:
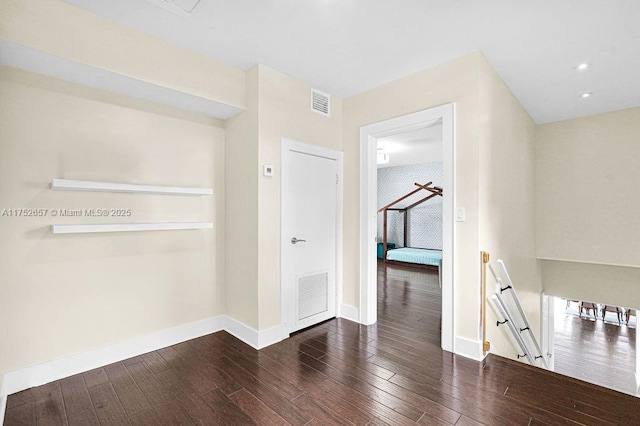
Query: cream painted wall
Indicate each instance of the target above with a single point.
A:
(64, 294)
(613, 285)
(277, 107)
(58, 28)
(587, 177)
(284, 112)
(241, 206)
(587, 207)
(455, 81)
(507, 201)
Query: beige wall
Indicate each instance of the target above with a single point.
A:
(241, 206)
(613, 285)
(455, 81)
(507, 200)
(277, 107)
(588, 178)
(64, 294)
(58, 28)
(587, 206)
(284, 113)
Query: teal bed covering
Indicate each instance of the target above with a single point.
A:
(416, 255)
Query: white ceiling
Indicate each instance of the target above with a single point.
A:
(347, 46)
(413, 147)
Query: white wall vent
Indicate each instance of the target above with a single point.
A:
(320, 102)
(313, 295)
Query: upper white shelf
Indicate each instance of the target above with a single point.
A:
(85, 185)
(124, 227)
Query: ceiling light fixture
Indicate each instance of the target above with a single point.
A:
(582, 66)
(586, 95)
(382, 157)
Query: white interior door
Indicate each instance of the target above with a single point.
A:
(309, 235)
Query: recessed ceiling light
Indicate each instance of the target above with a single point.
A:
(582, 66)
(586, 95)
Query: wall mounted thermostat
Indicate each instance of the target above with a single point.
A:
(267, 170)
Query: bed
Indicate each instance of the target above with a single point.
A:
(419, 257)
(416, 255)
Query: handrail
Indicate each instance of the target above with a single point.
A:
(484, 259)
(517, 320)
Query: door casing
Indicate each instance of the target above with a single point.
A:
(368, 211)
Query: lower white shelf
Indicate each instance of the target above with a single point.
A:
(128, 227)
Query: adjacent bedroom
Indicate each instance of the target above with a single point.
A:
(410, 233)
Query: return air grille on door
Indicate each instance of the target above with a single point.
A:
(312, 295)
(320, 102)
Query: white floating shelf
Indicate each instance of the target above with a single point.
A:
(128, 227)
(86, 185)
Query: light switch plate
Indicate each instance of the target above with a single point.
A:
(267, 170)
(460, 214)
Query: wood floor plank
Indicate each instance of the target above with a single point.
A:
(147, 417)
(256, 409)
(155, 362)
(95, 377)
(197, 408)
(84, 418)
(107, 405)
(172, 413)
(50, 405)
(252, 365)
(132, 399)
(148, 383)
(266, 393)
(20, 398)
(225, 411)
(359, 382)
(198, 369)
(75, 394)
(21, 415)
(433, 421)
(321, 414)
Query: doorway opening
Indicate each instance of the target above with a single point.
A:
(439, 281)
(596, 343)
(409, 232)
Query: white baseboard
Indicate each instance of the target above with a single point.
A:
(251, 336)
(350, 312)
(247, 334)
(270, 336)
(3, 407)
(47, 372)
(468, 348)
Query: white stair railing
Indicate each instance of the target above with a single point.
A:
(508, 304)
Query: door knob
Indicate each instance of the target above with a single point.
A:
(294, 240)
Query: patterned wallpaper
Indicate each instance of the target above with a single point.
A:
(425, 220)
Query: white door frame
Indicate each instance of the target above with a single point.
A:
(369, 215)
(292, 145)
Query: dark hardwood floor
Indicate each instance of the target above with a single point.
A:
(335, 373)
(599, 352)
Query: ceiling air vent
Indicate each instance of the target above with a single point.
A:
(320, 102)
(179, 7)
